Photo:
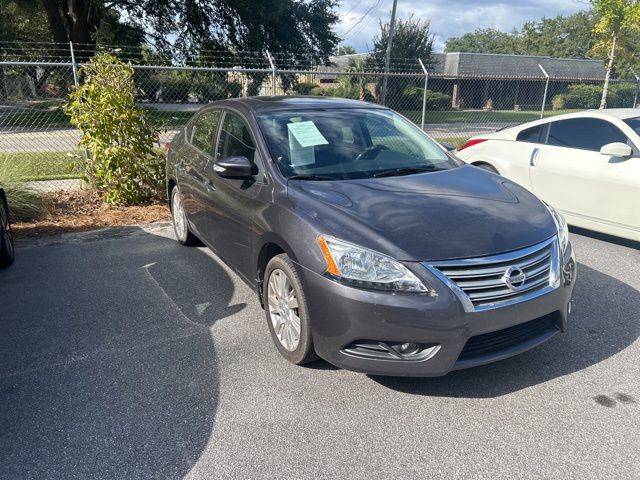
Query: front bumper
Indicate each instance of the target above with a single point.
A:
(341, 315)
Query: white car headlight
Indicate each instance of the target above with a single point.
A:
(360, 267)
(561, 225)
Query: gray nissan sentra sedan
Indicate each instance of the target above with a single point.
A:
(366, 242)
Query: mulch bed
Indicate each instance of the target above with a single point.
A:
(81, 210)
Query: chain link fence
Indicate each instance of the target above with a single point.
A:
(38, 146)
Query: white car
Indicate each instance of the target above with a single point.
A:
(586, 165)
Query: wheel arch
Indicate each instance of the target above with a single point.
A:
(270, 246)
(170, 184)
(479, 163)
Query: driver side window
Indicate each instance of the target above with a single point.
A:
(235, 140)
(204, 129)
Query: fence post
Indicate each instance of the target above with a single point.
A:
(635, 99)
(424, 94)
(546, 89)
(73, 65)
(273, 73)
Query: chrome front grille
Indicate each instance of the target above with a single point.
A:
(491, 282)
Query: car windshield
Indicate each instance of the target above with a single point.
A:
(352, 143)
(634, 123)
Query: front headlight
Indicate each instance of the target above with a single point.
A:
(360, 267)
(561, 225)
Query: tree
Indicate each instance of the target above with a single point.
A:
(294, 26)
(617, 18)
(412, 40)
(346, 50)
(358, 66)
(562, 36)
(487, 40)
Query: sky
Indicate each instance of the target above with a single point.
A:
(359, 19)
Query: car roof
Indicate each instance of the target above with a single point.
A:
(269, 104)
(617, 113)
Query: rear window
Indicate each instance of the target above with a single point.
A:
(531, 135)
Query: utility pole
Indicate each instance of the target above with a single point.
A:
(387, 57)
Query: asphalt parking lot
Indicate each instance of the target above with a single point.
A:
(125, 355)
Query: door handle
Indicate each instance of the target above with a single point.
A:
(534, 157)
(209, 186)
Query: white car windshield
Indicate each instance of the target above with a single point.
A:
(634, 123)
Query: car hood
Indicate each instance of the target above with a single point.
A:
(457, 213)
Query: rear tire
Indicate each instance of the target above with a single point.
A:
(7, 245)
(286, 311)
(487, 167)
(184, 235)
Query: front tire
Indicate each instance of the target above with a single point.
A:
(179, 219)
(286, 311)
(7, 246)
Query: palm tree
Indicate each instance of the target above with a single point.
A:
(358, 67)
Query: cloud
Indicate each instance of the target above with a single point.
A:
(449, 18)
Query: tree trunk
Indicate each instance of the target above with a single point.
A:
(605, 88)
(57, 25)
(72, 21)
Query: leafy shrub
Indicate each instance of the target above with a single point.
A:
(122, 161)
(175, 89)
(234, 89)
(621, 95)
(558, 102)
(580, 95)
(412, 99)
(304, 88)
(584, 96)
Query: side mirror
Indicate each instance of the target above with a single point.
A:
(616, 149)
(234, 167)
(449, 147)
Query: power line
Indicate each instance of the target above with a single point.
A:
(344, 35)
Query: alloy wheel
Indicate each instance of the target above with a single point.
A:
(179, 218)
(283, 310)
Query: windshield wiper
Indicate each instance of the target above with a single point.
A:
(310, 177)
(406, 171)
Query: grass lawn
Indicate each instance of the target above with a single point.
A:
(479, 116)
(30, 166)
(58, 119)
(457, 141)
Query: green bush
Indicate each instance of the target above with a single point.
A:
(585, 96)
(435, 101)
(558, 102)
(304, 88)
(579, 95)
(175, 89)
(621, 95)
(122, 162)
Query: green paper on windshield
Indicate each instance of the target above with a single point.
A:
(307, 134)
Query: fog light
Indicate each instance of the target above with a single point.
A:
(407, 348)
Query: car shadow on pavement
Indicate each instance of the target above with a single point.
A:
(107, 364)
(624, 242)
(604, 322)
